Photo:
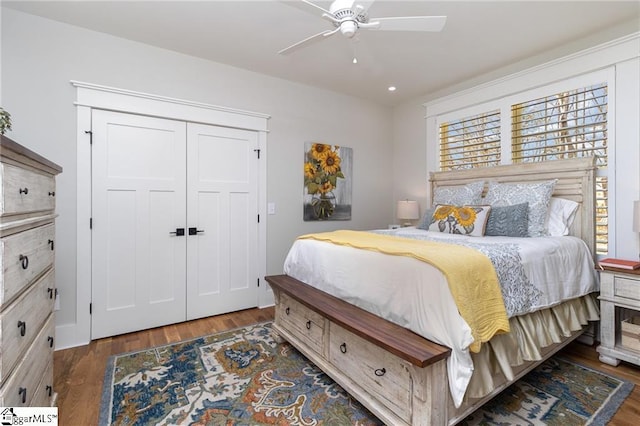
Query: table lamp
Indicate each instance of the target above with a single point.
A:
(407, 210)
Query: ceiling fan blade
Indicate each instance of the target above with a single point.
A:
(410, 23)
(318, 8)
(309, 40)
(362, 5)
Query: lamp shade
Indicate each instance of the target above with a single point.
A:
(636, 216)
(408, 210)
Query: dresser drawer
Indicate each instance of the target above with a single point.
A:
(20, 389)
(25, 316)
(24, 256)
(301, 322)
(382, 374)
(628, 288)
(25, 191)
(43, 395)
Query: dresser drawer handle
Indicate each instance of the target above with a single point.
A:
(24, 191)
(286, 311)
(49, 390)
(23, 394)
(51, 293)
(23, 328)
(52, 193)
(343, 348)
(24, 260)
(51, 244)
(308, 325)
(380, 371)
(50, 340)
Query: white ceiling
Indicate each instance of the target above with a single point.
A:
(480, 37)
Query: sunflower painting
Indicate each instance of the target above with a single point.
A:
(327, 182)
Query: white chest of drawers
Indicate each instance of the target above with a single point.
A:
(27, 276)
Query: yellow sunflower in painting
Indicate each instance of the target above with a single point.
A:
(309, 170)
(322, 168)
(330, 162)
(319, 150)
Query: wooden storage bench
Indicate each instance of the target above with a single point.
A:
(397, 374)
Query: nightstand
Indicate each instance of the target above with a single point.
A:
(619, 301)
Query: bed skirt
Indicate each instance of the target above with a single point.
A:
(529, 335)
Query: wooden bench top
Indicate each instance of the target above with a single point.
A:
(393, 338)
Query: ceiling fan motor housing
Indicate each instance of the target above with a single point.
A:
(349, 20)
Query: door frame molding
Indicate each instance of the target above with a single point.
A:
(93, 96)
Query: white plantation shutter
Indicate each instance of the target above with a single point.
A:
(567, 125)
(470, 142)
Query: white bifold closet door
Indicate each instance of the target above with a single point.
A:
(174, 221)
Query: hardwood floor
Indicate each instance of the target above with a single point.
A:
(79, 371)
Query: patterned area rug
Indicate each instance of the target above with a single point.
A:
(242, 377)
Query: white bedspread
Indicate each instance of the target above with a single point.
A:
(415, 295)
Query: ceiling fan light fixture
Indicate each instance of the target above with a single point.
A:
(348, 28)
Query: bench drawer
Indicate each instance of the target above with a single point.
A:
(301, 322)
(382, 374)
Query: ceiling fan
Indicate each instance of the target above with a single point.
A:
(349, 16)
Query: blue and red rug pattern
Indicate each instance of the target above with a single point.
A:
(243, 377)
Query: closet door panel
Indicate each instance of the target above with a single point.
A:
(138, 199)
(222, 203)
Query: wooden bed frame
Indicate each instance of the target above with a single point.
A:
(398, 375)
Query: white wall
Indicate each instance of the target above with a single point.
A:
(40, 57)
(413, 140)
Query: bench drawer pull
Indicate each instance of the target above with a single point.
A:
(380, 372)
(287, 310)
(343, 348)
(308, 325)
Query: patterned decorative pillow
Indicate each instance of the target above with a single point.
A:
(464, 220)
(427, 217)
(469, 194)
(509, 221)
(537, 195)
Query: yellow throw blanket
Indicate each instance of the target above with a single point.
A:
(473, 282)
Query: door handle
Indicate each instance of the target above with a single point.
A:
(179, 232)
(195, 231)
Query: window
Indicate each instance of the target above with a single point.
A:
(567, 125)
(470, 142)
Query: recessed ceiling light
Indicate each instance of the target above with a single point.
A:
(392, 88)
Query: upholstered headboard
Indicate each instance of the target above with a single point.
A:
(575, 181)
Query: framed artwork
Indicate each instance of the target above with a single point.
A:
(327, 182)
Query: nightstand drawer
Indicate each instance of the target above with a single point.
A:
(626, 287)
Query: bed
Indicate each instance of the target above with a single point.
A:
(391, 330)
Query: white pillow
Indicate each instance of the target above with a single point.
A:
(560, 216)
